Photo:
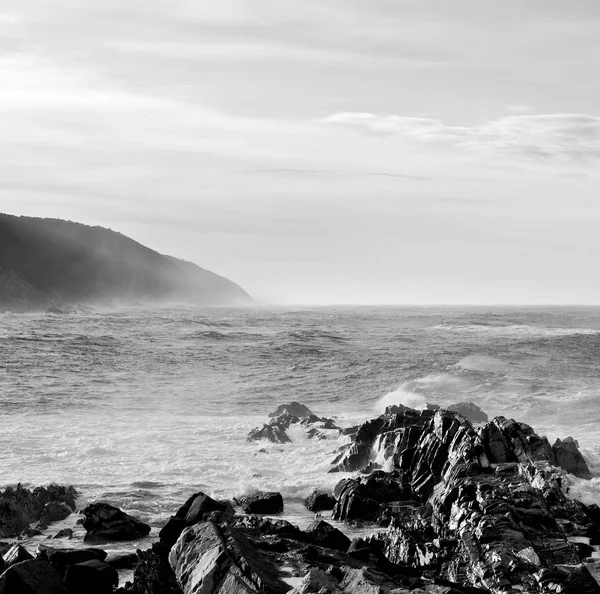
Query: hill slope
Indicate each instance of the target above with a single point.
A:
(47, 261)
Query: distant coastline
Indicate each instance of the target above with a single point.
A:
(53, 264)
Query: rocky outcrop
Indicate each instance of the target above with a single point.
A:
(294, 409)
(20, 507)
(319, 501)
(106, 522)
(34, 576)
(469, 410)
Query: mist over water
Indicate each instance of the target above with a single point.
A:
(143, 406)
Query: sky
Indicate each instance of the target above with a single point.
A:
(319, 151)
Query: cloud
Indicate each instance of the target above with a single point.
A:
(571, 138)
(293, 172)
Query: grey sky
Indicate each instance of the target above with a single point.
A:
(345, 151)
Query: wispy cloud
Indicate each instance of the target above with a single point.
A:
(573, 138)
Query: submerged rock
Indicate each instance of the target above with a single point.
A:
(107, 522)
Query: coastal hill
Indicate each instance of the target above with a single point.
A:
(52, 262)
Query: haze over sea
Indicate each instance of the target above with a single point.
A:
(144, 406)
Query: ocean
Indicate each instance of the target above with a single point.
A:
(143, 406)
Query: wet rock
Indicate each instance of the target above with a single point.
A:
(220, 560)
(469, 410)
(319, 501)
(569, 457)
(16, 554)
(326, 535)
(107, 522)
(295, 409)
(34, 576)
(64, 533)
(61, 559)
(316, 580)
(91, 577)
(274, 432)
(54, 511)
(153, 574)
(19, 507)
(122, 560)
(262, 503)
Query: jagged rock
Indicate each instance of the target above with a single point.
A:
(319, 501)
(295, 409)
(316, 580)
(273, 432)
(262, 503)
(325, 535)
(16, 554)
(469, 410)
(153, 574)
(91, 577)
(220, 560)
(107, 522)
(19, 507)
(34, 576)
(259, 525)
(569, 457)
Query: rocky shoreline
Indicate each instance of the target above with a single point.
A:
(456, 503)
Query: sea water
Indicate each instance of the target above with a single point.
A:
(141, 407)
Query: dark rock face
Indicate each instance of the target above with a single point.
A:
(91, 577)
(262, 503)
(469, 410)
(61, 559)
(35, 576)
(54, 511)
(569, 457)
(20, 507)
(16, 554)
(319, 501)
(106, 522)
(482, 507)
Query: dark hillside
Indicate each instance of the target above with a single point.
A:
(46, 261)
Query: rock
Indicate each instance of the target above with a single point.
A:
(220, 560)
(273, 432)
(319, 501)
(106, 522)
(60, 559)
(19, 507)
(569, 457)
(200, 506)
(469, 410)
(316, 580)
(54, 511)
(16, 554)
(64, 533)
(153, 574)
(122, 560)
(294, 409)
(326, 535)
(91, 577)
(34, 576)
(172, 530)
(262, 503)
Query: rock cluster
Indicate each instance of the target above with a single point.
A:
(293, 413)
(464, 507)
(20, 507)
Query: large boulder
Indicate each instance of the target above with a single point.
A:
(54, 511)
(34, 576)
(219, 560)
(262, 503)
(107, 522)
(319, 501)
(16, 554)
(61, 559)
(326, 535)
(569, 457)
